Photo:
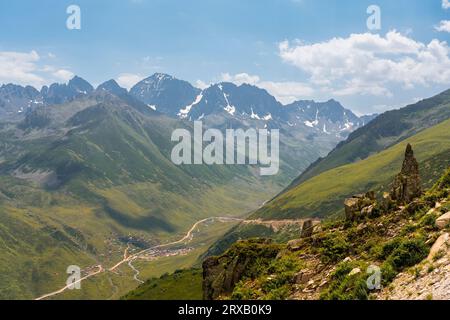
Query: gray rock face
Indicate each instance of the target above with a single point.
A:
(307, 228)
(221, 274)
(165, 93)
(359, 205)
(407, 184)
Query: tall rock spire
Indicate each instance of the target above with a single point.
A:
(407, 184)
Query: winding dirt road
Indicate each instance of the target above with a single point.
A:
(129, 258)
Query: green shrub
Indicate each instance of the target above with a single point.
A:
(444, 182)
(333, 248)
(388, 248)
(272, 276)
(408, 253)
(280, 293)
(346, 287)
(428, 220)
(388, 273)
(417, 206)
(243, 292)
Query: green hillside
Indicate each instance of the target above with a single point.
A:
(75, 187)
(323, 195)
(385, 131)
(181, 285)
(405, 243)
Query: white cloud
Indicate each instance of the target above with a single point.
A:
(445, 4)
(128, 80)
(284, 91)
(444, 26)
(20, 68)
(64, 75)
(201, 84)
(240, 78)
(25, 68)
(288, 91)
(370, 64)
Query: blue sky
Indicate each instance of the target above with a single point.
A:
(285, 46)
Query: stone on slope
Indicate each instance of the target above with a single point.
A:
(443, 220)
(441, 244)
(307, 228)
(303, 277)
(358, 205)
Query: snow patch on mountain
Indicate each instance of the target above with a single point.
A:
(184, 112)
(254, 115)
(228, 108)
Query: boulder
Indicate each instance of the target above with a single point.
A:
(307, 228)
(351, 208)
(407, 184)
(359, 205)
(348, 259)
(443, 220)
(354, 271)
(368, 211)
(295, 244)
(441, 244)
(303, 277)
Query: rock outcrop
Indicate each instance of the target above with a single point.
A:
(407, 184)
(307, 228)
(221, 274)
(359, 206)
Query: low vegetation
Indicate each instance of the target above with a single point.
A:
(339, 253)
(181, 285)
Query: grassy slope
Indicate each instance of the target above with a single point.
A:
(397, 240)
(182, 285)
(385, 131)
(116, 179)
(36, 249)
(114, 286)
(324, 194)
(49, 231)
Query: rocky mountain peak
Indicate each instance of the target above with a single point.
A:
(79, 84)
(113, 87)
(165, 93)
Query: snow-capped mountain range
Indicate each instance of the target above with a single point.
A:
(178, 98)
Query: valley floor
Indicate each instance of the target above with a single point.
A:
(188, 246)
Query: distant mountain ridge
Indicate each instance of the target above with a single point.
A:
(179, 99)
(16, 100)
